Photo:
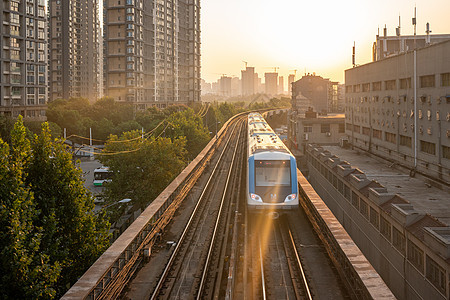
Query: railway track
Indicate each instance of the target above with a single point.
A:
(219, 251)
(193, 269)
(280, 273)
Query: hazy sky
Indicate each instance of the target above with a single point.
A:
(313, 35)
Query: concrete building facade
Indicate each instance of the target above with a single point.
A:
(74, 43)
(310, 127)
(152, 49)
(381, 112)
(23, 59)
(401, 224)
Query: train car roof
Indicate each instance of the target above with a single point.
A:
(261, 137)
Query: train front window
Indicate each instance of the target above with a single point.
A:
(272, 173)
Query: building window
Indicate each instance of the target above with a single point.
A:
(385, 228)
(364, 208)
(366, 131)
(340, 185)
(445, 79)
(398, 240)
(446, 152)
(324, 128)
(357, 128)
(374, 218)
(341, 128)
(307, 129)
(405, 83)
(348, 126)
(366, 87)
(390, 85)
(348, 89)
(357, 88)
(376, 86)
(405, 141)
(427, 81)
(355, 200)
(376, 134)
(427, 147)
(390, 137)
(415, 256)
(346, 192)
(436, 274)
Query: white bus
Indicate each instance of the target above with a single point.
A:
(102, 175)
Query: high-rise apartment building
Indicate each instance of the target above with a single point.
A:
(248, 81)
(23, 59)
(74, 49)
(225, 86)
(152, 51)
(291, 79)
(271, 83)
(281, 85)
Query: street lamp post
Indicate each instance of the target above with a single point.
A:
(126, 200)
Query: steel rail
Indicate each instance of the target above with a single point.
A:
(188, 225)
(283, 277)
(216, 225)
(263, 283)
(305, 282)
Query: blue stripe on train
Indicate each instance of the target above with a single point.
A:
(294, 182)
(251, 174)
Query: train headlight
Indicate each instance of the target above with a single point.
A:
(290, 198)
(255, 197)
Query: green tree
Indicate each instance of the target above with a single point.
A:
(49, 234)
(186, 123)
(26, 271)
(73, 235)
(142, 168)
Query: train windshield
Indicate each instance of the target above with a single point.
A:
(272, 173)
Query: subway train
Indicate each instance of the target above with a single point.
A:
(271, 170)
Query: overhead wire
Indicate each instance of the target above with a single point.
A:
(118, 141)
(124, 151)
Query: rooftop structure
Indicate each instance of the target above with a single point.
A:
(386, 46)
(401, 224)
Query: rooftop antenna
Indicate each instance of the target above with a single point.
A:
(245, 64)
(353, 55)
(428, 31)
(397, 30)
(414, 22)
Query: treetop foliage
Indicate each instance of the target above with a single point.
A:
(49, 234)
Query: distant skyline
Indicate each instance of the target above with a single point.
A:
(307, 36)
